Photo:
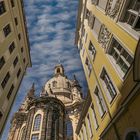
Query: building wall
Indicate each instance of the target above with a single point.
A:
(21, 50)
(98, 27)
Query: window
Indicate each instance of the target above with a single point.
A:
(89, 127)
(1, 115)
(96, 27)
(37, 122)
(92, 51)
(2, 7)
(10, 92)
(96, 125)
(132, 136)
(102, 4)
(54, 84)
(24, 60)
(15, 61)
(88, 66)
(58, 70)
(35, 137)
(16, 21)
(2, 62)
(69, 129)
(11, 47)
(19, 36)
(87, 14)
(18, 73)
(120, 57)
(23, 133)
(7, 30)
(5, 80)
(22, 49)
(12, 3)
(132, 14)
(68, 84)
(108, 85)
(99, 101)
(94, 1)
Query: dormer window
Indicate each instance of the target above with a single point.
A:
(54, 84)
(58, 70)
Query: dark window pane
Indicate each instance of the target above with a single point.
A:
(11, 47)
(7, 30)
(15, 61)
(16, 21)
(18, 73)
(12, 3)
(10, 92)
(2, 62)
(2, 7)
(5, 80)
(19, 36)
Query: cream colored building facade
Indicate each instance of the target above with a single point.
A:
(14, 53)
(107, 37)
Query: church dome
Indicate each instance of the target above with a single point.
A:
(59, 86)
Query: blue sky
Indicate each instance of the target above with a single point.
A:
(51, 26)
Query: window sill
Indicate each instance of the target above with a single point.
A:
(129, 30)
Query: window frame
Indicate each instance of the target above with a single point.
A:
(92, 51)
(37, 122)
(7, 30)
(2, 8)
(108, 85)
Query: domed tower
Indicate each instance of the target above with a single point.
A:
(52, 116)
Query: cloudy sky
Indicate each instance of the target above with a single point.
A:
(51, 26)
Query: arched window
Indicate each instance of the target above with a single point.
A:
(23, 132)
(37, 122)
(69, 129)
(132, 136)
(54, 84)
(58, 70)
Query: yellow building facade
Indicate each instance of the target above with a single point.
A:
(14, 53)
(107, 37)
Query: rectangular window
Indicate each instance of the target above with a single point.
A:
(102, 4)
(96, 125)
(94, 1)
(15, 61)
(19, 36)
(10, 92)
(11, 47)
(2, 7)
(91, 50)
(100, 101)
(2, 62)
(132, 14)
(89, 127)
(22, 49)
(121, 59)
(24, 60)
(88, 66)
(35, 137)
(1, 115)
(16, 21)
(12, 3)
(7, 30)
(5, 80)
(18, 73)
(96, 27)
(108, 85)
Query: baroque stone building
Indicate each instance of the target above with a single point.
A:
(52, 116)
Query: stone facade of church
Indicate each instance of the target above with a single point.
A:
(51, 116)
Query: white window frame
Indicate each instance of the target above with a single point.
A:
(108, 85)
(100, 101)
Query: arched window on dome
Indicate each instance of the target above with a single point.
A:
(54, 84)
(37, 122)
(133, 135)
(23, 132)
(68, 84)
(58, 70)
(69, 129)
